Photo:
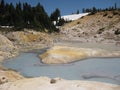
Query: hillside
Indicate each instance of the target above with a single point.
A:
(103, 27)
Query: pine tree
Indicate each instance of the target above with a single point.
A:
(18, 15)
(12, 14)
(55, 15)
(94, 10)
(83, 10)
(77, 12)
(61, 22)
(6, 15)
(115, 6)
(2, 12)
(2, 7)
(25, 12)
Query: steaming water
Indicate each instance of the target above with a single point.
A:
(94, 69)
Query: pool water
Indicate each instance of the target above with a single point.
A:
(94, 69)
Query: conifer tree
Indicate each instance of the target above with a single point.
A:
(18, 15)
(2, 7)
(12, 19)
(115, 6)
(77, 12)
(2, 12)
(54, 16)
(83, 10)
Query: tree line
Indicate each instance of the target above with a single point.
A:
(24, 16)
(94, 9)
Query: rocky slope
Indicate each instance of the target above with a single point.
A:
(29, 39)
(7, 49)
(103, 27)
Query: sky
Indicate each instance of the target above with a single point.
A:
(69, 6)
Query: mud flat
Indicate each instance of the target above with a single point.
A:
(66, 54)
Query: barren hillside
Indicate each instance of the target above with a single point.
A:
(101, 27)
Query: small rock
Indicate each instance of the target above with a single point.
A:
(52, 81)
(3, 80)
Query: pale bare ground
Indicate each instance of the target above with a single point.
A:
(79, 44)
(44, 83)
(66, 53)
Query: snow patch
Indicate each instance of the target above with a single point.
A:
(74, 16)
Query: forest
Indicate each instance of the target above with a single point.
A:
(23, 15)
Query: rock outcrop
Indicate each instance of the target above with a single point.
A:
(7, 49)
(29, 39)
